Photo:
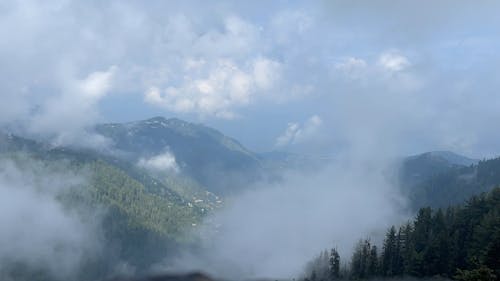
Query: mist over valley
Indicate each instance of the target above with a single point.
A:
(271, 140)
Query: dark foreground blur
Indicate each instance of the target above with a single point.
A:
(203, 277)
(169, 277)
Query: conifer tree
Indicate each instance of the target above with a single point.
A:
(373, 262)
(389, 253)
(334, 265)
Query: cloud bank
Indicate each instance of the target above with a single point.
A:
(272, 231)
(39, 232)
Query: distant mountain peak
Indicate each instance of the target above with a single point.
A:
(163, 120)
(417, 168)
(157, 118)
(449, 157)
(203, 152)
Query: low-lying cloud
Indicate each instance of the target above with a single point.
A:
(38, 231)
(66, 118)
(296, 134)
(273, 230)
(164, 162)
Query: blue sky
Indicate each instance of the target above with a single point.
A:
(400, 77)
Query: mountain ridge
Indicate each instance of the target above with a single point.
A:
(216, 161)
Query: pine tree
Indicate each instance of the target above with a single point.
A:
(314, 277)
(361, 260)
(407, 248)
(334, 265)
(421, 235)
(437, 253)
(389, 253)
(373, 262)
(356, 263)
(397, 262)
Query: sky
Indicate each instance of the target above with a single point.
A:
(304, 76)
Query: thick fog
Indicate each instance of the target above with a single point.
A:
(38, 231)
(273, 230)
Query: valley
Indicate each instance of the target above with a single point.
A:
(145, 214)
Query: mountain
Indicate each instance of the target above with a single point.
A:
(453, 158)
(144, 218)
(442, 178)
(145, 213)
(216, 161)
(417, 168)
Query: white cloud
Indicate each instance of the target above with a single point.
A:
(96, 84)
(164, 162)
(266, 72)
(288, 136)
(350, 63)
(65, 117)
(387, 63)
(352, 67)
(393, 61)
(388, 72)
(216, 89)
(298, 133)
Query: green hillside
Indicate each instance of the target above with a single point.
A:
(144, 219)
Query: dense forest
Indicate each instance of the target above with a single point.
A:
(461, 242)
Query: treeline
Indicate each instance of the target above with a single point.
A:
(326, 266)
(461, 243)
(454, 185)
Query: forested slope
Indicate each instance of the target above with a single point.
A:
(142, 219)
(436, 183)
(461, 242)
